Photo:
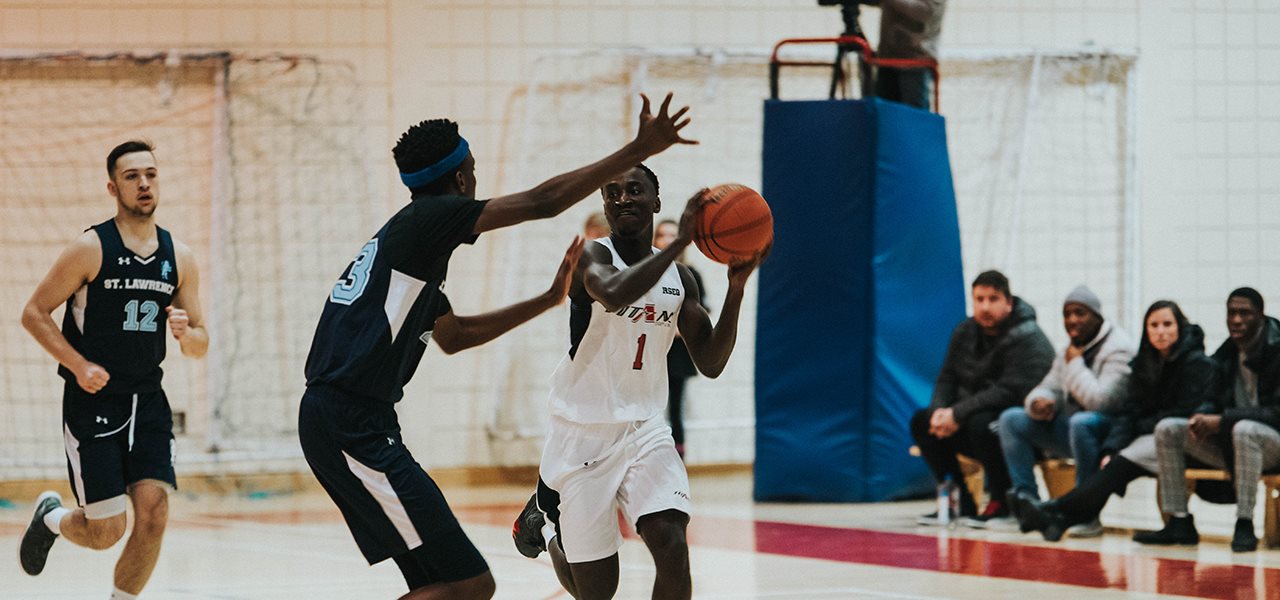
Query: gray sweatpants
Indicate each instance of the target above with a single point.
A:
(1257, 449)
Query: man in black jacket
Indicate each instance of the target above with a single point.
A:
(1236, 428)
(993, 361)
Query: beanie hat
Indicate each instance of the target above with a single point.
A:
(1086, 298)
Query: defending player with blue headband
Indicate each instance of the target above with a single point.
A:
(439, 168)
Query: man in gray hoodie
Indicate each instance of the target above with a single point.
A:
(995, 357)
(1067, 414)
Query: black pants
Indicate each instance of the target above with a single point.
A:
(1084, 503)
(974, 439)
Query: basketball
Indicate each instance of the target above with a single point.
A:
(735, 223)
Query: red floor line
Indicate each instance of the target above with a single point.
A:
(1136, 573)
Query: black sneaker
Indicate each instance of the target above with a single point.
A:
(1244, 539)
(1179, 530)
(526, 532)
(36, 542)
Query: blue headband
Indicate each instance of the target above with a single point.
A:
(442, 166)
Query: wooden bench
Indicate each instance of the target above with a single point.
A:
(1059, 475)
(1271, 515)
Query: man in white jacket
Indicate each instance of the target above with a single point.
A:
(1067, 414)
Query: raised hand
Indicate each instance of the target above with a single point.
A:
(657, 133)
(564, 275)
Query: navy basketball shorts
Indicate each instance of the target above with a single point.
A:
(393, 508)
(114, 441)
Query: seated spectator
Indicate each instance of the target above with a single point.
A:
(1239, 421)
(1171, 377)
(1067, 414)
(995, 357)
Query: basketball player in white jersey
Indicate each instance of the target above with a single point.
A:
(608, 445)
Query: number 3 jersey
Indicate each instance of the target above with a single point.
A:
(118, 320)
(616, 368)
(379, 316)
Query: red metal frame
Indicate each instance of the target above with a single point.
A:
(868, 55)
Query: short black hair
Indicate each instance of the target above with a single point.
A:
(654, 178)
(1249, 294)
(128, 147)
(994, 279)
(424, 145)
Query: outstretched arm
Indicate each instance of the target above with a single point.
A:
(77, 266)
(614, 288)
(710, 347)
(186, 317)
(552, 197)
(455, 333)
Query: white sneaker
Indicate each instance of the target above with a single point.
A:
(1086, 530)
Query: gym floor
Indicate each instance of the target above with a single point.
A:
(295, 546)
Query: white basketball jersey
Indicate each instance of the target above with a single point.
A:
(617, 371)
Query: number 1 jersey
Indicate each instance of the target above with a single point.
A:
(118, 320)
(616, 367)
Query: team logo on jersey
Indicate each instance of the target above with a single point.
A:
(165, 270)
(647, 313)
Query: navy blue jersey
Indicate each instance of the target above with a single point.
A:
(378, 319)
(118, 320)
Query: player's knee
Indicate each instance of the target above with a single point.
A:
(480, 587)
(104, 533)
(665, 537)
(150, 516)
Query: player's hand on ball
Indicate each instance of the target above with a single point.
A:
(92, 377)
(688, 227)
(564, 276)
(740, 270)
(657, 133)
(178, 322)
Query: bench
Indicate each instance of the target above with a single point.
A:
(1059, 475)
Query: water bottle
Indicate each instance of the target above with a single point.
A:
(948, 501)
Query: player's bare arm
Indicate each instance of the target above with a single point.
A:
(77, 265)
(550, 198)
(710, 347)
(186, 317)
(454, 333)
(614, 288)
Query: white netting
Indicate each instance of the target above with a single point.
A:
(253, 155)
(266, 174)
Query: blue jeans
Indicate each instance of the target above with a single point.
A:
(1079, 436)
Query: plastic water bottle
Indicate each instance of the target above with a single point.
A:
(948, 502)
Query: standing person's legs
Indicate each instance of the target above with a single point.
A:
(1088, 430)
(392, 507)
(1020, 436)
(142, 551)
(150, 474)
(654, 495)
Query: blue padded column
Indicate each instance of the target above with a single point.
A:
(857, 300)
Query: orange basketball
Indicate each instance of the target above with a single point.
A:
(735, 223)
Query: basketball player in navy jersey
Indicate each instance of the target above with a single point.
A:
(608, 446)
(386, 307)
(120, 281)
